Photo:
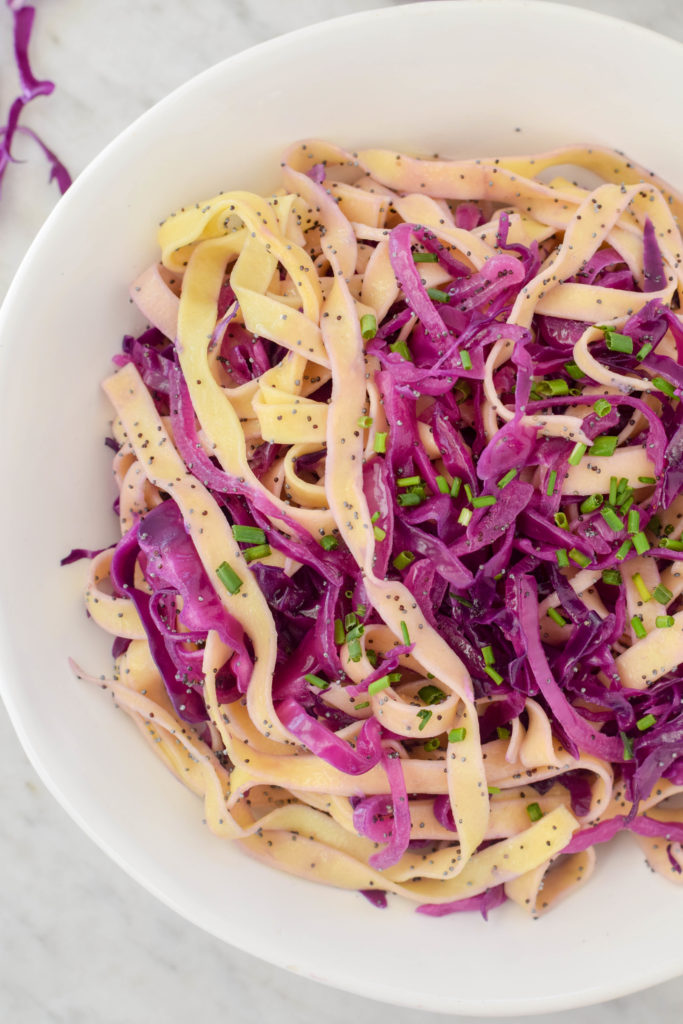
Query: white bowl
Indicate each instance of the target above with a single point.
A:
(462, 78)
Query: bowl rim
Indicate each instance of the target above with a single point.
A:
(553, 12)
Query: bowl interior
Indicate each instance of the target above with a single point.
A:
(463, 79)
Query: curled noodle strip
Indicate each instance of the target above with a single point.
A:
(400, 466)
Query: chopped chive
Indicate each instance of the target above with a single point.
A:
(561, 520)
(409, 481)
(484, 501)
(365, 704)
(455, 486)
(624, 549)
(573, 371)
(403, 560)
(318, 681)
(402, 349)
(493, 790)
(466, 360)
(355, 650)
(425, 257)
(662, 594)
(409, 499)
(618, 342)
(380, 442)
(503, 733)
(442, 484)
(329, 543)
(258, 551)
(655, 525)
(372, 657)
(641, 588)
(578, 451)
(556, 617)
(604, 445)
(457, 735)
(368, 326)
(432, 744)
(436, 295)
(229, 578)
(361, 610)
(643, 352)
(249, 534)
(465, 516)
(613, 490)
(612, 519)
(468, 492)
(365, 421)
(379, 533)
(645, 723)
(534, 811)
(552, 479)
(425, 714)
(628, 746)
(647, 480)
(641, 543)
(622, 490)
(339, 632)
(492, 674)
(378, 685)
(633, 524)
(612, 577)
(562, 558)
(350, 621)
(591, 504)
(552, 387)
(664, 621)
(672, 545)
(579, 557)
(431, 694)
(505, 480)
(355, 633)
(489, 657)
(623, 509)
(405, 634)
(602, 407)
(638, 627)
(664, 385)
(374, 517)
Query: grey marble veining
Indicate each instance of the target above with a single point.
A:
(80, 942)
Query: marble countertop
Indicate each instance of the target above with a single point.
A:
(81, 942)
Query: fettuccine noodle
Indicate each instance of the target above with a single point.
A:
(399, 470)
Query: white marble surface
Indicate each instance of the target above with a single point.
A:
(80, 941)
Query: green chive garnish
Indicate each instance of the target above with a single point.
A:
(365, 704)
(647, 480)
(591, 504)
(552, 387)
(503, 733)
(579, 557)
(432, 744)
(468, 492)
(465, 516)
(672, 545)
(578, 452)
(403, 560)
(628, 746)
(494, 790)
(612, 577)
(489, 657)
(229, 578)
(329, 543)
(409, 499)
(365, 421)
(380, 442)
(425, 257)
(664, 621)
(662, 594)
(378, 685)
(368, 326)
(409, 481)
(258, 551)
(379, 533)
(457, 735)
(645, 723)
(612, 519)
(466, 360)
(436, 295)
(618, 342)
(638, 627)
(613, 490)
(633, 523)
(431, 694)
(492, 674)
(484, 501)
(534, 811)
(602, 407)
(318, 681)
(355, 650)
(455, 486)
(505, 480)
(372, 658)
(655, 525)
(561, 520)
(402, 348)
(641, 543)
(641, 588)
(552, 479)
(556, 617)
(339, 632)
(562, 558)
(664, 385)
(405, 634)
(573, 371)
(249, 534)
(350, 621)
(624, 549)
(425, 714)
(644, 351)
(604, 445)
(442, 484)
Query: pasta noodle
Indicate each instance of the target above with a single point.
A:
(398, 464)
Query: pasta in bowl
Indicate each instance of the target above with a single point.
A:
(399, 471)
